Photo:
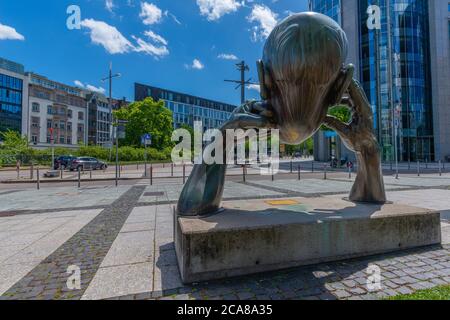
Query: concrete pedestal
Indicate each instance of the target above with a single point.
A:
(255, 236)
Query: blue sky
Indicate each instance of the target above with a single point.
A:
(183, 45)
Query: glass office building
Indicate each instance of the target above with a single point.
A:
(186, 108)
(11, 93)
(399, 68)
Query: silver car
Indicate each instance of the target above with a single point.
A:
(87, 163)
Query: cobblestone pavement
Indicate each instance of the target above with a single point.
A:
(124, 248)
(401, 273)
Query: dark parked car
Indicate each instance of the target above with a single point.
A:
(87, 163)
(63, 162)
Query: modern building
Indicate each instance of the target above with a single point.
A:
(13, 96)
(100, 119)
(405, 75)
(57, 113)
(186, 108)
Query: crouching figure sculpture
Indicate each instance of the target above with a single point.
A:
(302, 74)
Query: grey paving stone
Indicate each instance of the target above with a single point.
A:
(341, 294)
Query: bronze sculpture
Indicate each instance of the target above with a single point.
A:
(302, 74)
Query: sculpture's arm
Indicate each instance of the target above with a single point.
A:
(202, 193)
(358, 136)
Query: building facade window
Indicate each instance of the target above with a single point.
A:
(35, 107)
(50, 110)
(80, 115)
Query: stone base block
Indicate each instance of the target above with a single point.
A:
(255, 236)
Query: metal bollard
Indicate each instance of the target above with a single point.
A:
(291, 167)
(38, 179)
(418, 168)
(325, 172)
(151, 175)
(273, 176)
(299, 177)
(312, 167)
(243, 174)
(440, 168)
(171, 170)
(90, 174)
(79, 177)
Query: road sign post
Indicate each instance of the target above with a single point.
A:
(146, 140)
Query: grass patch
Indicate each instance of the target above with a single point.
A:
(436, 293)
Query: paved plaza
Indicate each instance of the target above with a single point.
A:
(121, 239)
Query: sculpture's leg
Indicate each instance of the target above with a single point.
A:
(359, 137)
(202, 193)
(369, 184)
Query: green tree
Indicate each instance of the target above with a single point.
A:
(147, 116)
(13, 141)
(341, 112)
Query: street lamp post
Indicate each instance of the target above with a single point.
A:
(110, 77)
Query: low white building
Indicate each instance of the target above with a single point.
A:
(57, 113)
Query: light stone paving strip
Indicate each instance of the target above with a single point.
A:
(139, 261)
(232, 190)
(128, 266)
(86, 250)
(311, 186)
(63, 197)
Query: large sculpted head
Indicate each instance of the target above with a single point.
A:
(302, 59)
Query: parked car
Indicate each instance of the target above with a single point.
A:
(63, 162)
(87, 163)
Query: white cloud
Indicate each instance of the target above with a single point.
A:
(156, 37)
(227, 56)
(266, 18)
(255, 87)
(215, 9)
(107, 36)
(196, 64)
(89, 87)
(95, 89)
(78, 83)
(150, 14)
(109, 5)
(114, 42)
(150, 49)
(9, 33)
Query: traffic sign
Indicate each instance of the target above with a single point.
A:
(146, 139)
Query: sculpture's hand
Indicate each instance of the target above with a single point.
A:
(252, 115)
(358, 136)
